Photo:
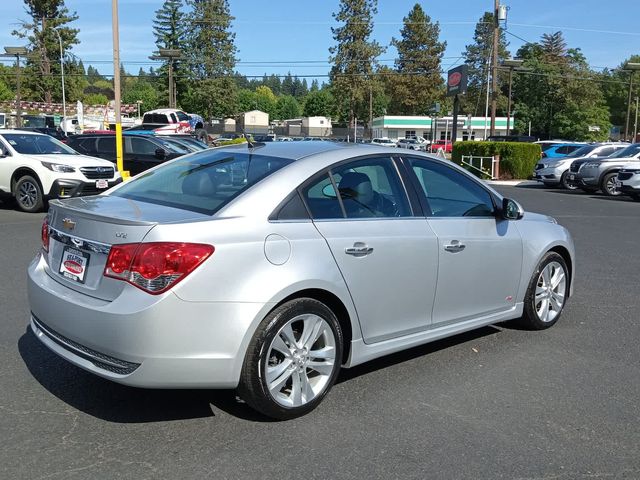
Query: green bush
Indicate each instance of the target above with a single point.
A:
(234, 141)
(517, 159)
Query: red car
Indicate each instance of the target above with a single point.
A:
(445, 145)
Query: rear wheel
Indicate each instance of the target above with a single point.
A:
(546, 294)
(566, 183)
(201, 134)
(608, 185)
(29, 194)
(293, 359)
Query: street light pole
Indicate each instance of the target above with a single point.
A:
(64, 99)
(17, 52)
(170, 54)
(494, 67)
(630, 67)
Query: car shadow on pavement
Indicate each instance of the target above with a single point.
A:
(118, 403)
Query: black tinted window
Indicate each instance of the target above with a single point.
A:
(107, 145)
(142, 146)
(294, 209)
(450, 193)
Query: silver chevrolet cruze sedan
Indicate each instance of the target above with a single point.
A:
(268, 268)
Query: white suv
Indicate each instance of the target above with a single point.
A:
(34, 167)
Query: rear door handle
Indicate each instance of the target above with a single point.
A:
(359, 249)
(455, 246)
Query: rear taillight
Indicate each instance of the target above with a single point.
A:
(45, 234)
(155, 267)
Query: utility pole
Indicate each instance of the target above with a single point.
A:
(116, 83)
(64, 99)
(635, 124)
(171, 55)
(17, 52)
(630, 67)
(494, 67)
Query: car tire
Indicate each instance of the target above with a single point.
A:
(565, 183)
(608, 185)
(546, 294)
(28, 194)
(281, 376)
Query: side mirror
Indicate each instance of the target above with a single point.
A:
(161, 153)
(329, 191)
(511, 210)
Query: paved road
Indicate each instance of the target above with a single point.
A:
(496, 403)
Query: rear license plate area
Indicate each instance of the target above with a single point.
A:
(74, 264)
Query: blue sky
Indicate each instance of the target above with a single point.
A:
(293, 31)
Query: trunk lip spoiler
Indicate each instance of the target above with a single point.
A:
(103, 218)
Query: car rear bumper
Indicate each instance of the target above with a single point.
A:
(143, 340)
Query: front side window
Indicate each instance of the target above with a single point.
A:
(183, 117)
(37, 144)
(142, 146)
(203, 182)
(450, 193)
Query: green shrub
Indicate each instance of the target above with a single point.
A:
(234, 141)
(517, 159)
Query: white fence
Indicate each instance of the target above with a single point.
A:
(487, 167)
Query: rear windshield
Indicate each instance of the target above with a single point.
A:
(155, 118)
(202, 182)
(582, 151)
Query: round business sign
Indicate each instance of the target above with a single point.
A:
(454, 79)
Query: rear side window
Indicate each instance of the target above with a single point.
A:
(322, 199)
(84, 145)
(203, 182)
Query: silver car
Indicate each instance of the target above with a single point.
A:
(628, 180)
(601, 173)
(323, 257)
(555, 171)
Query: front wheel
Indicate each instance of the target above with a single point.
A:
(608, 186)
(29, 194)
(547, 293)
(293, 359)
(566, 183)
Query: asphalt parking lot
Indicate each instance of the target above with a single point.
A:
(497, 403)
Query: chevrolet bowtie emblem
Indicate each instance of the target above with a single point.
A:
(68, 223)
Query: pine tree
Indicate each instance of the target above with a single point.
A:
(477, 56)
(47, 16)
(419, 82)
(354, 57)
(554, 47)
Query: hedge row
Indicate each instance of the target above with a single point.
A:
(517, 159)
(234, 141)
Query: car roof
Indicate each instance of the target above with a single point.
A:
(164, 110)
(298, 150)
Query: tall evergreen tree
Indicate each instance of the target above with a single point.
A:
(169, 30)
(477, 56)
(46, 17)
(419, 82)
(354, 57)
(211, 58)
(554, 47)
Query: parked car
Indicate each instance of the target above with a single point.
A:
(35, 167)
(386, 142)
(553, 172)
(560, 150)
(140, 152)
(445, 145)
(544, 144)
(166, 121)
(628, 180)
(182, 279)
(410, 144)
(55, 132)
(600, 174)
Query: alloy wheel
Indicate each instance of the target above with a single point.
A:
(551, 290)
(300, 361)
(610, 186)
(28, 194)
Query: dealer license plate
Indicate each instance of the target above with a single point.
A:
(102, 183)
(74, 264)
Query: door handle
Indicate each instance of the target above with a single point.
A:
(359, 249)
(455, 246)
